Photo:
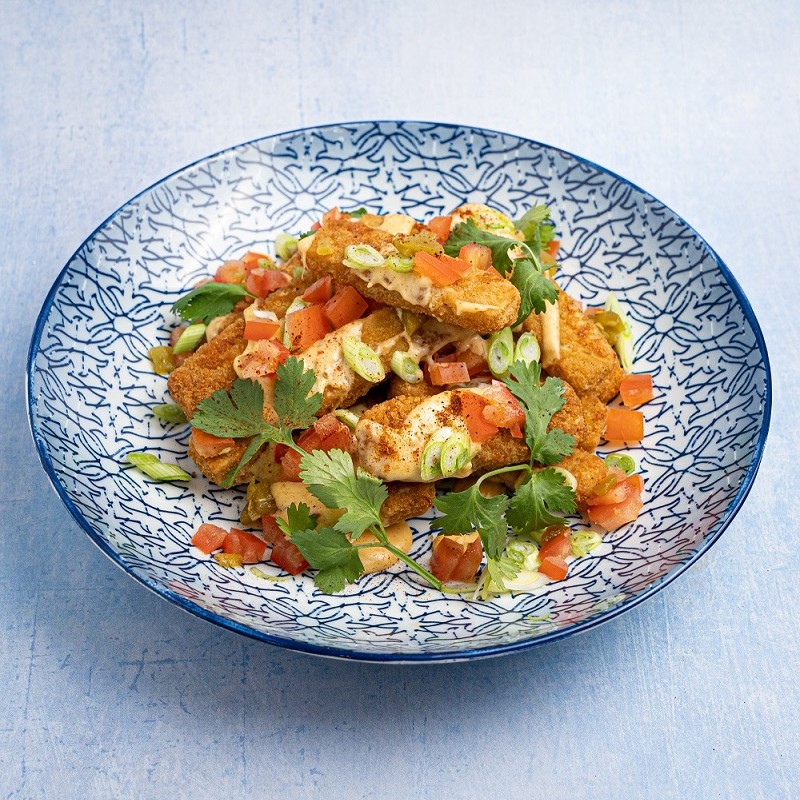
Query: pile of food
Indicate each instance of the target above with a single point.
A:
(379, 366)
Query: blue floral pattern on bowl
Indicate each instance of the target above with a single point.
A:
(91, 386)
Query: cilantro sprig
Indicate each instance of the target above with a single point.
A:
(239, 413)
(527, 273)
(210, 300)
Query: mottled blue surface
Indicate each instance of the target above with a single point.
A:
(109, 691)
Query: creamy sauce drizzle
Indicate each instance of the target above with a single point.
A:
(413, 288)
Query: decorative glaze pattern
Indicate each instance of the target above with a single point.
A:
(91, 386)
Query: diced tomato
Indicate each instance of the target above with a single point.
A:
(476, 255)
(286, 555)
(209, 446)
(440, 227)
(263, 359)
(255, 329)
(246, 545)
(327, 425)
(315, 226)
(619, 493)
(636, 389)
(320, 291)
(441, 270)
(331, 216)
(230, 272)
(503, 409)
(442, 374)
(345, 306)
(558, 546)
(555, 568)
(548, 255)
(306, 326)
(261, 282)
(208, 538)
(476, 363)
(615, 516)
(251, 259)
(472, 406)
(456, 558)
(270, 528)
(624, 426)
(290, 466)
(328, 433)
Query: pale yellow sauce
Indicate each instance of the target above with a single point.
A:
(413, 288)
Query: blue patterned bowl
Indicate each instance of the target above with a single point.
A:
(91, 387)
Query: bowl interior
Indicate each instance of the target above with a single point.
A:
(91, 386)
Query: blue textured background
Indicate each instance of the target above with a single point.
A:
(110, 691)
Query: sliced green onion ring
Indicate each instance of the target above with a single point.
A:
(430, 468)
(583, 542)
(362, 256)
(569, 478)
(363, 360)
(404, 366)
(190, 338)
(170, 412)
(623, 461)
(155, 469)
(527, 349)
(399, 263)
(350, 418)
(624, 343)
(500, 353)
(285, 245)
(455, 454)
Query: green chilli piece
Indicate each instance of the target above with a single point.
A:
(350, 418)
(404, 366)
(285, 245)
(363, 360)
(398, 263)
(155, 469)
(500, 353)
(170, 412)
(190, 338)
(624, 343)
(583, 542)
(624, 462)
(430, 468)
(455, 454)
(362, 256)
(527, 349)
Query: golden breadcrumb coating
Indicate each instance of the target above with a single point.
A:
(595, 414)
(482, 301)
(406, 500)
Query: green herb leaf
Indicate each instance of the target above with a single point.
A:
(540, 403)
(536, 227)
(537, 501)
(535, 290)
(293, 403)
(329, 551)
(357, 213)
(469, 511)
(210, 300)
(237, 414)
(298, 518)
(468, 232)
(332, 478)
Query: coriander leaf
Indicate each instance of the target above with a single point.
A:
(298, 518)
(499, 569)
(536, 227)
(329, 551)
(540, 402)
(357, 213)
(470, 510)
(208, 301)
(292, 403)
(332, 478)
(536, 502)
(236, 414)
(535, 290)
(467, 232)
(254, 445)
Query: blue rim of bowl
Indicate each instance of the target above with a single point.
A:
(399, 657)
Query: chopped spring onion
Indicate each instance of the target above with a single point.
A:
(527, 349)
(350, 418)
(400, 263)
(430, 467)
(624, 462)
(163, 362)
(285, 245)
(170, 412)
(455, 454)
(583, 542)
(363, 360)
(525, 554)
(500, 353)
(190, 338)
(569, 478)
(624, 343)
(154, 469)
(404, 366)
(361, 256)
